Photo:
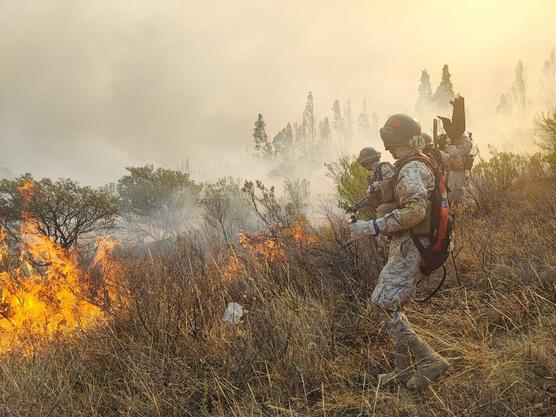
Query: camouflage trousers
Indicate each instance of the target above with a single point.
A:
(396, 286)
(456, 183)
(382, 243)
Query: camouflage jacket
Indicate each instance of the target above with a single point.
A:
(414, 185)
(459, 152)
(440, 159)
(383, 171)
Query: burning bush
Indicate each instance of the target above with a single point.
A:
(44, 296)
(44, 293)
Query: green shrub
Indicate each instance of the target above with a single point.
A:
(545, 131)
(351, 182)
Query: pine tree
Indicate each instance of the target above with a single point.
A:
(348, 118)
(299, 139)
(283, 141)
(259, 133)
(268, 152)
(548, 80)
(364, 125)
(262, 145)
(444, 92)
(288, 139)
(423, 107)
(279, 143)
(309, 125)
(338, 121)
(325, 136)
(519, 89)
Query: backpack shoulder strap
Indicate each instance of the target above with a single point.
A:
(377, 174)
(415, 157)
(435, 154)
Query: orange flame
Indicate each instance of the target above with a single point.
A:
(232, 269)
(273, 249)
(109, 290)
(259, 245)
(26, 188)
(44, 296)
(300, 234)
(3, 246)
(104, 247)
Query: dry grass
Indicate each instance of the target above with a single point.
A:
(305, 346)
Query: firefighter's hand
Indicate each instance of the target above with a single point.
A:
(361, 228)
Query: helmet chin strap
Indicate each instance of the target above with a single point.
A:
(400, 151)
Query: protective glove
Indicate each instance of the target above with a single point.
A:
(361, 228)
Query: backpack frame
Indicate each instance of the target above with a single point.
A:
(442, 224)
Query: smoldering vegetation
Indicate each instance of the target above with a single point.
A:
(305, 345)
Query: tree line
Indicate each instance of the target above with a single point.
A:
(312, 139)
(519, 99)
(309, 139)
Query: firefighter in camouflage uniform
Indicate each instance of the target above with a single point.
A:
(380, 172)
(461, 155)
(439, 158)
(369, 158)
(416, 364)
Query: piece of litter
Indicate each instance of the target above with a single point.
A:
(233, 313)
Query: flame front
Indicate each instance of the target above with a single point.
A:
(43, 296)
(262, 246)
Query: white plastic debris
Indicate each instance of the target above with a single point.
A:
(233, 313)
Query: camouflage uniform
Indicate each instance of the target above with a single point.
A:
(404, 213)
(459, 152)
(382, 172)
(398, 279)
(440, 159)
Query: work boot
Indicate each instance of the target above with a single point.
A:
(402, 370)
(429, 364)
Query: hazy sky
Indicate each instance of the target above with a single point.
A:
(88, 87)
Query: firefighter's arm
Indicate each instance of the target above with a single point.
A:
(388, 170)
(413, 198)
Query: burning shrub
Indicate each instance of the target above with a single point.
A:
(44, 294)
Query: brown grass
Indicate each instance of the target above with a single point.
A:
(305, 346)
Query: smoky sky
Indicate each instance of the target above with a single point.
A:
(89, 87)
